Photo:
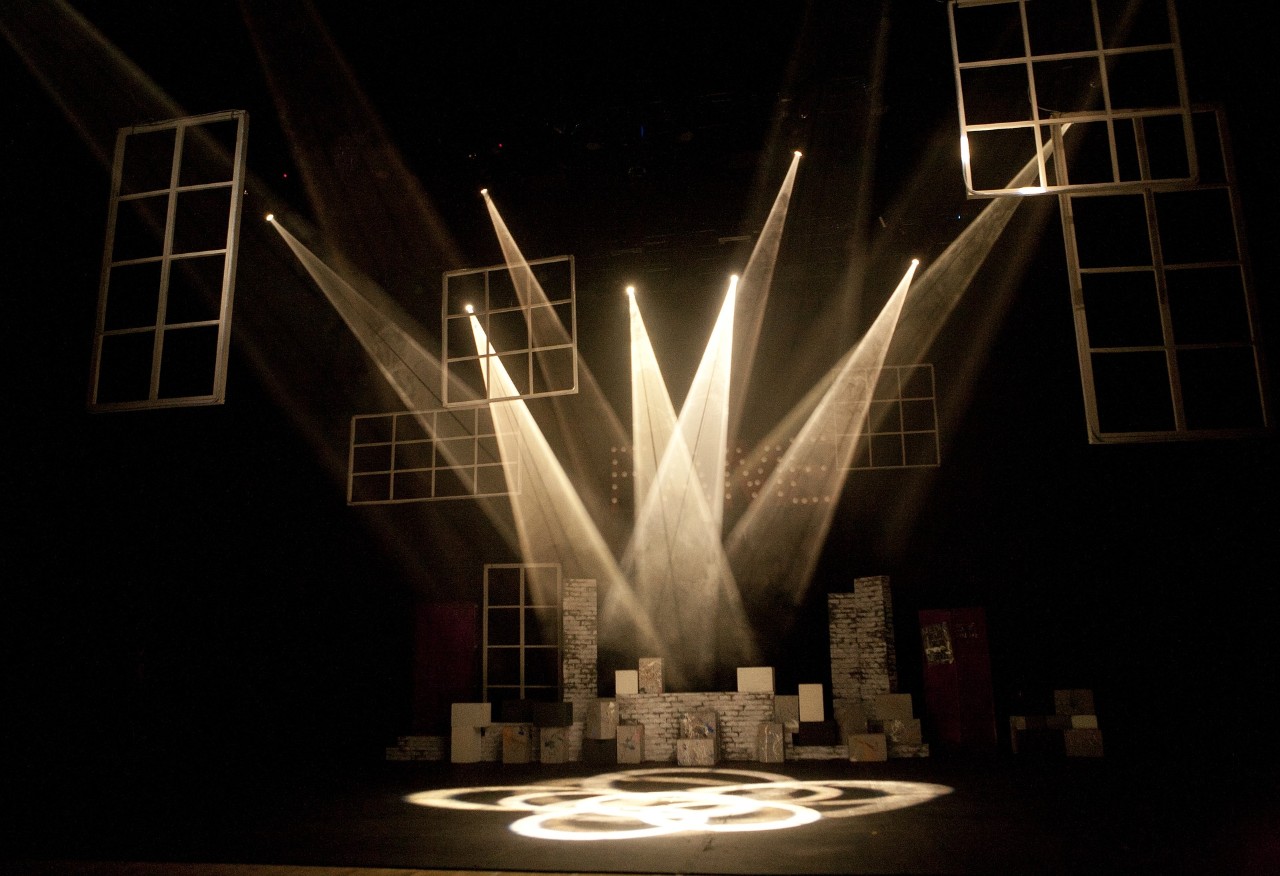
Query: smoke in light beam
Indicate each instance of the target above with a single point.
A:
(552, 524)
(676, 559)
(774, 547)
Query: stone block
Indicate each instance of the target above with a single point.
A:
(697, 752)
(553, 745)
(602, 719)
(867, 747)
(769, 742)
(471, 714)
(626, 682)
(491, 743)
(786, 709)
(755, 679)
(517, 743)
(651, 675)
(899, 731)
(851, 715)
(699, 724)
(891, 706)
(1082, 742)
(551, 715)
(465, 745)
(1073, 702)
(812, 703)
(630, 743)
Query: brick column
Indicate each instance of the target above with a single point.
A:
(864, 660)
(579, 655)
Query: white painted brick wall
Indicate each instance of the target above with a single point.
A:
(739, 713)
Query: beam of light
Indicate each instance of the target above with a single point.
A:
(775, 545)
(552, 524)
(689, 800)
(675, 558)
(753, 296)
(586, 452)
(409, 369)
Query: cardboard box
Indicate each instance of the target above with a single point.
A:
(517, 743)
(769, 742)
(755, 679)
(867, 747)
(699, 724)
(651, 675)
(812, 703)
(601, 719)
(697, 752)
(1084, 742)
(1078, 701)
(465, 745)
(630, 743)
(626, 682)
(553, 745)
(471, 714)
(786, 710)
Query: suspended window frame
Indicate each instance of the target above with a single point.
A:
(1171, 334)
(532, 332)
(428, 456)
(901, 428)
(1106, 87)
(171, 352)
(523, 634)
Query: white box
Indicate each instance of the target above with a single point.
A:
(464, 745)
(472, 714)
(812, 707)
(755, 679)
(626, 682)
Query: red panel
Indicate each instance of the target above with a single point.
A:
(446, 662)
(959, 705)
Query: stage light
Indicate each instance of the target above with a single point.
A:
(271, 217)
(631, 291)
(798, 154)
(484, 192)
(470, 308)
(964, 150)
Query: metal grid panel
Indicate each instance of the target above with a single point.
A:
(168, 268)
(1166, 320)
(1101, 80)
(534, 335)
(901, 430)
(424, 456)
(523, 631)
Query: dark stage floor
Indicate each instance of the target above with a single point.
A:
(1003, 815)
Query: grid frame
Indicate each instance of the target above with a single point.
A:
(1167, 323)
(543, 607)
(1109, 92)
(159, 341)
(427, 456)
(534, 334)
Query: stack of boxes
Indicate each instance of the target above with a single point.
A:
(1071, 730)
(699, 741)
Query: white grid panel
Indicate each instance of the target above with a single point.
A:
(523, 632)
(424, 456)
(1100, 79)
(1166, 319)
(901, 430)
(534, 333)
(163, 325)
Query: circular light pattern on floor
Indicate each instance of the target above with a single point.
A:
(661, 801)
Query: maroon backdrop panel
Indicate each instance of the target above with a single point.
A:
(446, 662)
(958, 699)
